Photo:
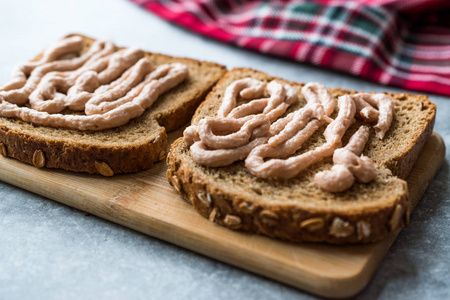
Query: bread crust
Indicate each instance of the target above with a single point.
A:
(406, 163)
(70, 152)
(278, 221)
(290, 220)
(81, 158)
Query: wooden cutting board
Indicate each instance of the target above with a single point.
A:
(147, 203)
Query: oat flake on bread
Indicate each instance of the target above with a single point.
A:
(254, 132)
(109, 87)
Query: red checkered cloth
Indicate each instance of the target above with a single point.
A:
(404, 43)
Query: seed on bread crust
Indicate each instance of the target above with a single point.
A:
(162, 154)
(268, 217)
(246, 207)
(176, 184)
(312, 224)
(38, 159)
(212, 215)
(396, 217)
(362, 230)
(233, 222)
(402, 96)
(3, 150)
(340, 228)
(103, 168)
(204, 198)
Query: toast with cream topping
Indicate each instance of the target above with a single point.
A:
(297, 209)
(130, 147)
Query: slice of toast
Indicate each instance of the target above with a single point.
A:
(132, 147)
(296, 209)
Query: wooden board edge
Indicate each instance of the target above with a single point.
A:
(329, 287)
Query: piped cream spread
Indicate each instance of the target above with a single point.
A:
(110, 87)
(256, 132)
(348, 165)
(229, 137)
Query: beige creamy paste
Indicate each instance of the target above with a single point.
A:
(110, 87)
(230, 136)
(255, 132)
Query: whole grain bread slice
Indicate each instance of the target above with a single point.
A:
(132, 147)
(296, 209)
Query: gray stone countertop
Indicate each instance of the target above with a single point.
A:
(51, 251)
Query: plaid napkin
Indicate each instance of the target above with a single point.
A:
(404, 43)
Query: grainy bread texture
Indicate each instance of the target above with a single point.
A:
(132, 147)
(296, 209)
